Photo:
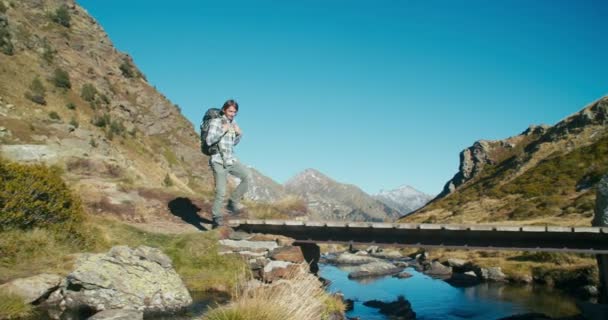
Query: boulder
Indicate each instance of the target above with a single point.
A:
(467, 279)
(275, 270)
(456, 263)
(352, 259)
(124, 278)
(33, 288)
(373, 249)
(437, 269)
(493, 274)
(388, 254)
(288, 253)
(400, 309)
(403, 275)
(118, 315)
(374, 269)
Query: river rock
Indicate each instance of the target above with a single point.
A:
(124, 278)
(456, 263)
(388, 254)
(493, 274)
(467, 279)
(373, 249)
(352, 259)
(435, 268)
(403, 275)
(288, 253)
(118, 315)
(401, 309)
(33, 288)
(276, 270)
(374, 269)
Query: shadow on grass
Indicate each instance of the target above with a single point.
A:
(186, 210)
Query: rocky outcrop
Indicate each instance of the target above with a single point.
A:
(537, 142)
(140, 279)
(269, 260)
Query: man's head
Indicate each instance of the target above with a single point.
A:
(230, 109)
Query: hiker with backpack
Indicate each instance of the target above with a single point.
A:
(219, 134)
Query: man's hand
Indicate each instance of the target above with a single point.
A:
(237, 129)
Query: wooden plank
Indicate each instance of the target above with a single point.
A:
(481, 228)
(428, 226)
(508, 228)
(382, 225)
(533, 229)
(586, 230)
(559, 229)
(407, 226)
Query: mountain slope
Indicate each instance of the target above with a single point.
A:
(70, 99)
(546, 175)
(404, 199)
(330, 200)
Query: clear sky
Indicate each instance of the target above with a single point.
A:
(376, 93)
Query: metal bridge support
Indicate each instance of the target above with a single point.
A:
(312, 254)
(600, 219)
(602, 263)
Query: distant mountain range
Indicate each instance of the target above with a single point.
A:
(404, 199)
(328, 199)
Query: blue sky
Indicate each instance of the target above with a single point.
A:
(373, 93)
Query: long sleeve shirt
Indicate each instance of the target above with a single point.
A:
(226, 140)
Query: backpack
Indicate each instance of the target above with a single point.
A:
(212, 113)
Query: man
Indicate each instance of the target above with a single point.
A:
(226, 133)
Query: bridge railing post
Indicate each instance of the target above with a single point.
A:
(600, 219)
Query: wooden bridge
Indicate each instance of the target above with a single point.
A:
(593, 240)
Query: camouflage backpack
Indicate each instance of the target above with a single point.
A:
(211, 114)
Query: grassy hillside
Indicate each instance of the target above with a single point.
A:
(559, 186)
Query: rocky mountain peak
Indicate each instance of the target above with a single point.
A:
(404, 199)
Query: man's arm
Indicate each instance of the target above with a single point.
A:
(216, 131)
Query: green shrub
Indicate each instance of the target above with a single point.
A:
(167, 182)
(74, 122)
(62, 16)
(6, 46)
(37, 92)
(127, 69)
(70, 106)
(3, 7)
(88, 92)
(101, 121)
(61, 79)
(116, 127)
(54, 115)
(48, 53)
(34, 196)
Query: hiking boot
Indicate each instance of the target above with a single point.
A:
(216, 223)
(235, 208)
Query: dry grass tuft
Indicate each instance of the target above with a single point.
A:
(300, 297)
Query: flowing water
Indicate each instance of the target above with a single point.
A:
(436, 299)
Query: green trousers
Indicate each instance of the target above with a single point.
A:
(220, 174)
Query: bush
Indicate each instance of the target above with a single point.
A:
(88, 92)
(34, 196)
(70, 106)
(101, 121)
(127, 69)
(54, 115)
(167, 182)
(62, 16)
(61, 79)
(116, 127)
(74, 122)
(6, 46)
(48, 53)
(37, 92)
(3, 8)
